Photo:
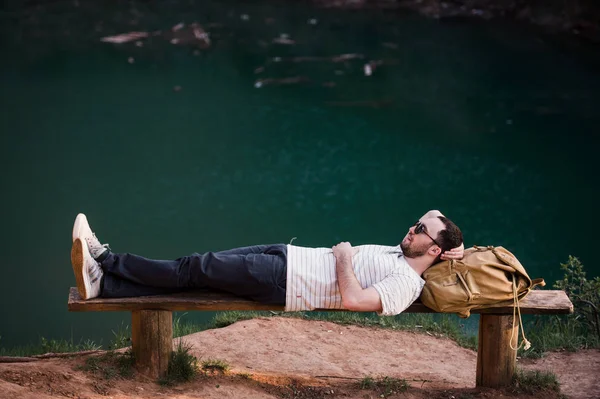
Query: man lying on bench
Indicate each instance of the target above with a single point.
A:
(377, 278)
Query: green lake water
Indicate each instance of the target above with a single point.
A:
(494, 124)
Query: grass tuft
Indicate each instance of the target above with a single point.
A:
(110, 365)
(385, 386)
(183, 328)
(183, 366)
(215, 365)
(121, 338)
(534, 381)
(50, 346)
(224, 319)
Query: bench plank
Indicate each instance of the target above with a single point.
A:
(537, 302)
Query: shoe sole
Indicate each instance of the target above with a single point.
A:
(78, 263)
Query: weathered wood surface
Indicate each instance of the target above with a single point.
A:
(537, 302)
(496, 360)
(152, 341)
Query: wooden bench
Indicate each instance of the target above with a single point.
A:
(152, 325)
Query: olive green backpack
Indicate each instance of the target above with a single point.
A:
(485, 276)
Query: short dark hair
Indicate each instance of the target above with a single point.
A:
(450, 237)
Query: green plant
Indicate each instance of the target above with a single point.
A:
(110, 365)
(245, 376)
(214, 365)
(533, 381)
(223, 319)
(548, 333)
(122, 337)
(183, 366)
(367, 383)
(181, 328)
(385, 386)
(50, 346)
(584, 293)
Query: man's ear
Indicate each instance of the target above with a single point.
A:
(435, 250)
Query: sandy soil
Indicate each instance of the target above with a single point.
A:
(293, 358)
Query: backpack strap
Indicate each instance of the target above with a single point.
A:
(538, 281)
(517, 308)
(479, 248)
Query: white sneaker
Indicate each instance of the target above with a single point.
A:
(88, 273)
(83, 231)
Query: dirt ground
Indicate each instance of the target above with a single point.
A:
(293, 358)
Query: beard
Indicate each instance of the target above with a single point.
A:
(414, 251)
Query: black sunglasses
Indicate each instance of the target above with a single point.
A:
(420, 228)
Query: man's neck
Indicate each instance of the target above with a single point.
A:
(419, 265)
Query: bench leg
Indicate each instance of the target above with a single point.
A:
(152, 341)
(495, 359)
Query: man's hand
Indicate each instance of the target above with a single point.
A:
(344, 250)
(455, 253)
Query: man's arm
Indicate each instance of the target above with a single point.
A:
(354, 297)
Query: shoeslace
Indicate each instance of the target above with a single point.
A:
(95, 246)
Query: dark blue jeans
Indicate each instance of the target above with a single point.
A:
(258, 273)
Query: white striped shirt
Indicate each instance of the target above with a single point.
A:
(312, 282)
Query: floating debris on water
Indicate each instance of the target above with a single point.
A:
(177, 27)
(259, 70)
(283, 39)
(131, 60)
(347, 57)
(337, 58)
(193, 34)
(312, 21)
(200, 34)
(139, 43)
(281, 81)
(124, 37)
(370, 67)
(244, 17)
